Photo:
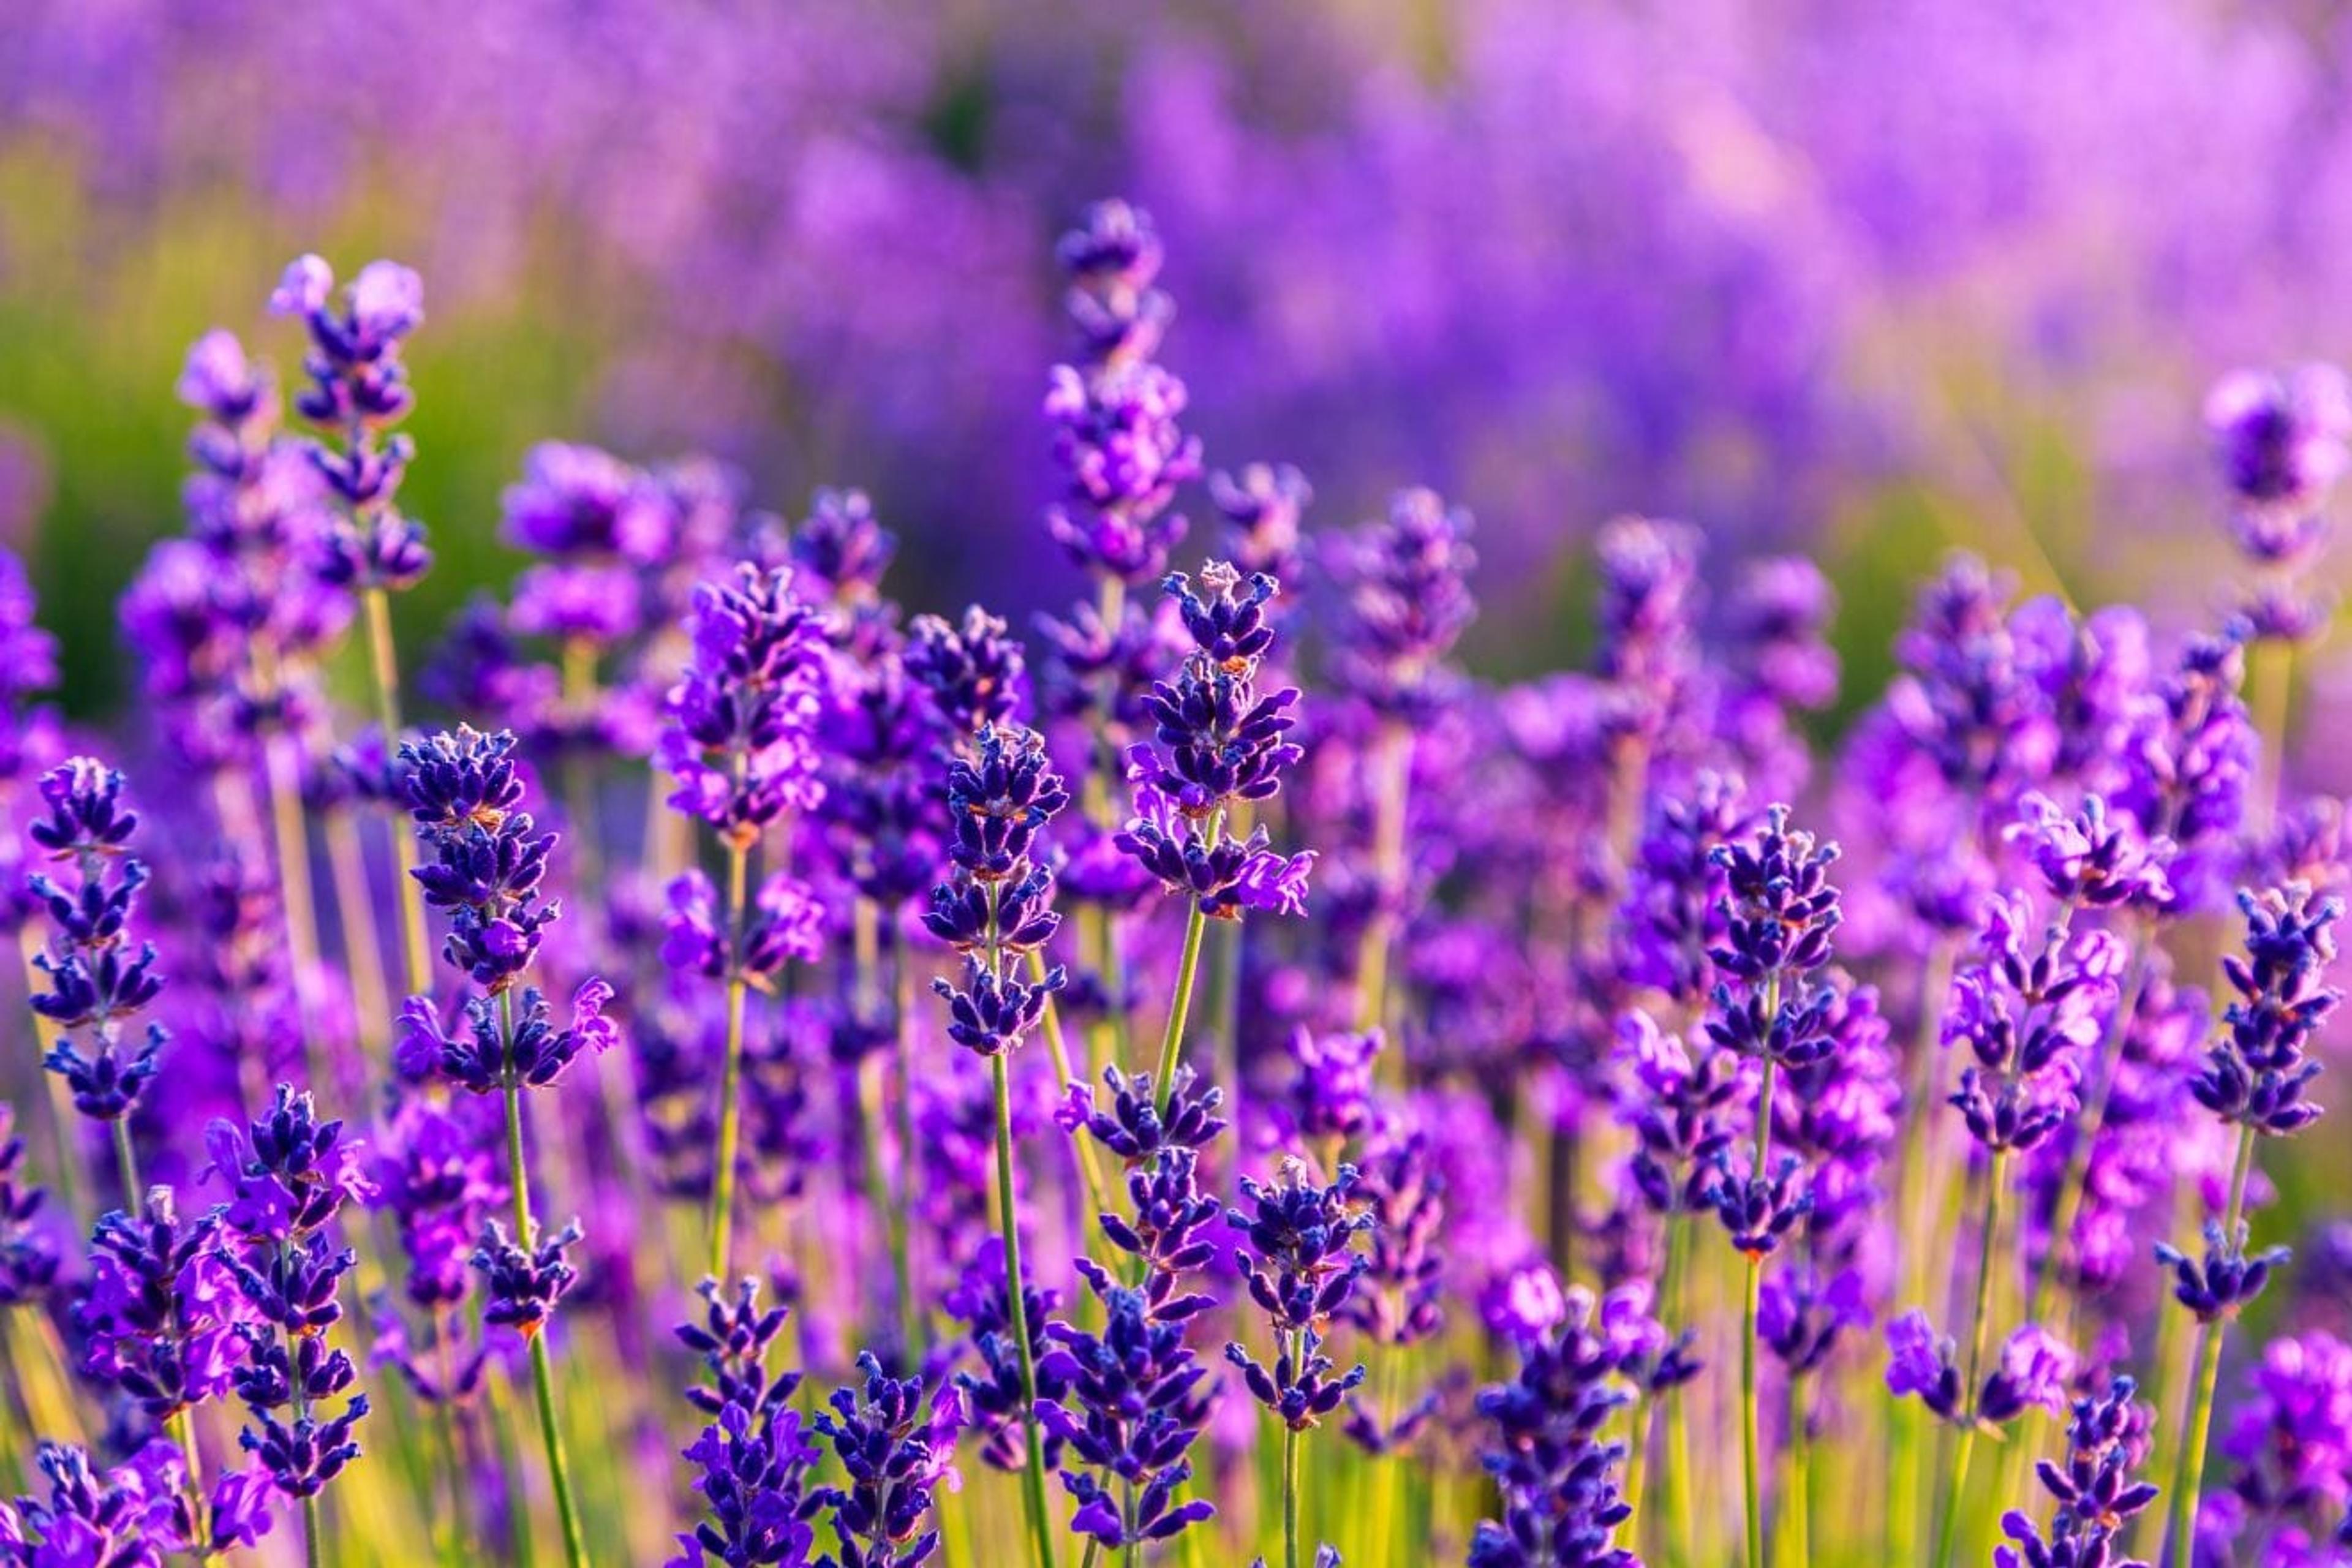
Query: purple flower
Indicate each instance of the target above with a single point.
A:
(359, 390)
(289, 1173)
(578, 502)
(1117, 436)
(973, 674)
(1550, 1460)
(2097, 1497)
(1919, 1362)
(28, 1257)
(521, 1285)
(1331, 1095)
(130, 1516)
(95, 980)
(786, 921)
(994, 1399)
(1129, 1404)
(896, 1454)
(1263, 506)
(2092, 860)
(2290, 1442)
(487, 860)
(1407, 600)
(842, 545)
(1649, 588)
(2032, 1368)
(741, 718)
(163, 1316)
(2283, 441)
(2256, 1073)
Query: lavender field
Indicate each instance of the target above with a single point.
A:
(1346, 786)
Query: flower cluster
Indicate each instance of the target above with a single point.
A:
(997, 904)
(97, 981)
(359, 390)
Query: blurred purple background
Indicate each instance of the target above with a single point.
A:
(1879, 277)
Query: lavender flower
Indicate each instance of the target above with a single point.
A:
(973, 674)
(2282, 442)
(130, 1516)
(2256, 1074)
(896, 1454)
(359, 389)
(2097, 1497)
(1132, 1407)
(1262, 505)
(1407, 601)
(95, 980)
(741, 718)
(165, 1320)
(996, 904)
(29, 1257)
(1302, 1266)
(1560, 1504)
(1117, 438)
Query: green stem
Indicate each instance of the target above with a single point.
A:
(313, 1551)
(2189, 1467)
(1008, 1221)
(126, 1166)
(542, 1374)
(1751, 1446)
(1057, 1048)
(294, 888)
(1180, 1007)
(415, 948)
(1964, 1448)
(1676, 1477)
(1751, 1442)
(1289, 1496)
(722, 1224)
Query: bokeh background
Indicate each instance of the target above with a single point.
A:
(1875, 276)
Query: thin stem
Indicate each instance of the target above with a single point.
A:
(722, 1224)
(2189, 1467)
(313, 1550)
(1017, 1310)
(384, 663)
(1057, 1048)
(579, 777)
(1289, 1496)
(1751, 1444)
(1750, 1439)
(184, 1433)
(126, 1166)
(294, 890)
(1964, 1448)
(542, 1374)
(1675, 1476)
(1797, 1505)
(1180, 1006)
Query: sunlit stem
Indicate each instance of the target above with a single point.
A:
(2189, 1465)
(1964, 1447)
(542, 1372)
(722, 1224)
(384, 661)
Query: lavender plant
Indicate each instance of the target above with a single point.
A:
(1569, 995)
